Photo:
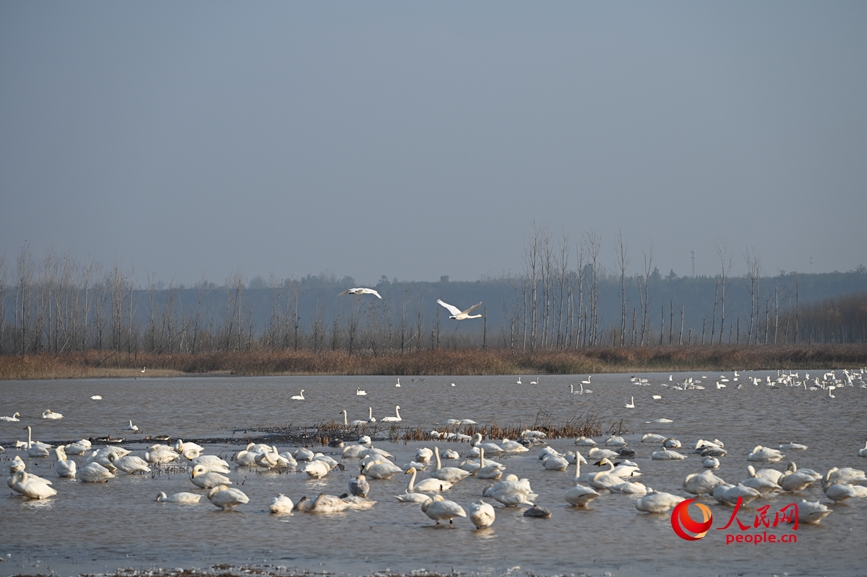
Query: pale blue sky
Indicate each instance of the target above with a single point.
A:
(415, 140)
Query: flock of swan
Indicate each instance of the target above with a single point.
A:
(592, 471)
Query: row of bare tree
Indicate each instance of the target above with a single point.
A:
(564, 299)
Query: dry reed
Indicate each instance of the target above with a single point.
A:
(97, 364)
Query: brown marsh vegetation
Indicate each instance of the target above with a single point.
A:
(113, 364)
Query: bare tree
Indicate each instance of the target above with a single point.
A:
(725, 266)
(645, 295)
(753, 282)
(622, 262)
(594, 245)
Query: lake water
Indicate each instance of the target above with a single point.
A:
(90, 528)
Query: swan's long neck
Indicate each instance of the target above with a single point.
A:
(29, 437)
(582, 388)
(345, 418)
(397, 412)
(411, 488)
(369, 413)
(481, 458)
(437, 455)
(612, 466)
(577, 465)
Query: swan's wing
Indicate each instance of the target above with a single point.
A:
(346, 292)
(452, 309)
(471, 309)
(373, 292)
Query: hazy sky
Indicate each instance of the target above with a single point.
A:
(419, 139)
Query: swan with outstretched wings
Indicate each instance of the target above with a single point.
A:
(458, 314)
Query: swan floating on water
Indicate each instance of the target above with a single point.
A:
(395, 418)
(482, 514)
(13, 419)
(183, 498)
(49, 414)
(299, 396)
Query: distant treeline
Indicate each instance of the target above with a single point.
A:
(59, 305)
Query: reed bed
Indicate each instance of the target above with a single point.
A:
(97, 364)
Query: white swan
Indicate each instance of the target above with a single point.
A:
(555, 463)
(430, 485)
(580, 496)
(439, 509)
(317, 468)
(458, 314)
(411, 495)
(381, 469)
(12, 419)
(491, 471)
(131, 427)
(761, 453)
(211, 463)
(36, 448)
(701, 483)
(397, 384)
(394, 419)
(511, 491)
(49, 414)
(666, 455)
(359, 392)
(298, 397)
(31, 486)
(205, 479)
(631, 403)
(370, 417)
(183, 498)
(63, 466)
(657, 502)
(726, 494)
(227, 498)
(95, 473)
(360, 291)
(281, 505)
(861, 453)
(482, 514)
(811, 511)
(130, 464)
(450, 474)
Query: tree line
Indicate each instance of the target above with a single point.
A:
(565, 298)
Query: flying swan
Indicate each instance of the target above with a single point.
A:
(458, 314)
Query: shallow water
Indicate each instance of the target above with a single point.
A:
(90, 528)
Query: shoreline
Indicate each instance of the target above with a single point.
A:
(96, 364)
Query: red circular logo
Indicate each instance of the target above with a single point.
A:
(681, 522)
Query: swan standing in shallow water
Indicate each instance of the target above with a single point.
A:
(439, 509)
(227, 498)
